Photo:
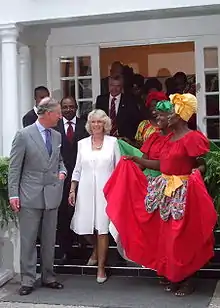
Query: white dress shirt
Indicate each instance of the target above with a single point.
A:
(66, 124)
(41, 129)
(35, 109)
(117, 102)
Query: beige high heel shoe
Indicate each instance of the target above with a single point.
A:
(101, 280)
(92, 262)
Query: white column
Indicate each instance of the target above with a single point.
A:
(1, 117)
(25, 81)
(10, 107)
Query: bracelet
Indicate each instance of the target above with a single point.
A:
(72, 191)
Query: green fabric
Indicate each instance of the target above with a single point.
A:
(164, 106)
(127, 149)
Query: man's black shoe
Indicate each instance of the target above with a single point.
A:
(24, 290)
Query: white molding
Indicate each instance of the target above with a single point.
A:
(136, 32)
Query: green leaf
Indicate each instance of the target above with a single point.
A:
(6, 214)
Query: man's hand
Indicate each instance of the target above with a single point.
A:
(61, 176)
(15, 204)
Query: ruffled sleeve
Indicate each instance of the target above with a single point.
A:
(148, 143)
(196, 144)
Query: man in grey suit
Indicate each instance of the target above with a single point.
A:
(36, 177)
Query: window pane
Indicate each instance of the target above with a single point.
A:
(85, 88)
(211, 57)
(85, 108)
(67, 67)
(68, 88)
(84, 66)
(213, 128)
(212, 105)
(211, 82)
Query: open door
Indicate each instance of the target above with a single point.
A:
(207, 57)
(75, 72)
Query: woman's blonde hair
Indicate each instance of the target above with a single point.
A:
(100, 115)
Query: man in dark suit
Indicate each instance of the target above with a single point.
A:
(122, 108)
(116, 69)
(31, 116)
(72, 129)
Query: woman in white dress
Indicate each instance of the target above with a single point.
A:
(97, 158)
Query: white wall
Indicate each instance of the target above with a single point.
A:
(39, 65)
(33, 10)
(127, 33)
(173, 62)
(136, 32)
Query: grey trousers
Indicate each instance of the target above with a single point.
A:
(30, 220)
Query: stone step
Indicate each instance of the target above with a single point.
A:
(81, 252)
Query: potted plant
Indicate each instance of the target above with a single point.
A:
(212, 176)
(9, 233)
(6, 214)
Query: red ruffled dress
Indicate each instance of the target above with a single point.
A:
(153, 145)
(172, 235)
(152, 148)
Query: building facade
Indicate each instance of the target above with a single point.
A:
(58, 44)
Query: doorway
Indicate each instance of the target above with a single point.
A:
(160, 60)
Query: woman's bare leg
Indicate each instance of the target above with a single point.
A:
(92, 240)
(103, 243)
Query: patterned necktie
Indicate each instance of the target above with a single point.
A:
(48, 141)
(114, 131)
(70, 132)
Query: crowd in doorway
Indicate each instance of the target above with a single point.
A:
(140, 86)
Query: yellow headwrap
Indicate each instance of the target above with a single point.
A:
(185, 105)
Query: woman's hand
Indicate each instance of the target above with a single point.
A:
(72, 198)
(201, 169)
(128, 157)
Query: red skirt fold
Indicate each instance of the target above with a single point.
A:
(175, 248)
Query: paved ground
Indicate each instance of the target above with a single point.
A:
(114, 289)
(215, 302)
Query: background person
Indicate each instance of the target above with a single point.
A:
(72, 130)
(31, 116)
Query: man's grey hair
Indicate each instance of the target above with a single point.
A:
(46, 104)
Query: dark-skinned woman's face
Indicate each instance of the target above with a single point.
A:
(173, 120)
(162, 119)
(152, 109)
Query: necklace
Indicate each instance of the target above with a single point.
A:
(97, 147)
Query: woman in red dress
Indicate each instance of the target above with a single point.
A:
(149, 126)
(176, 228)
(153, 145)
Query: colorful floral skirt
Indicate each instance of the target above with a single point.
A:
(173, 206)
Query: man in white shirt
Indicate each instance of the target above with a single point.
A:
(72, 129)
(31, 116)
(121, 107)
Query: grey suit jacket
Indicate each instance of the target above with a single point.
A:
(33, 175)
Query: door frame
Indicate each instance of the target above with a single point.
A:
(211, 41)
(54, 53)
